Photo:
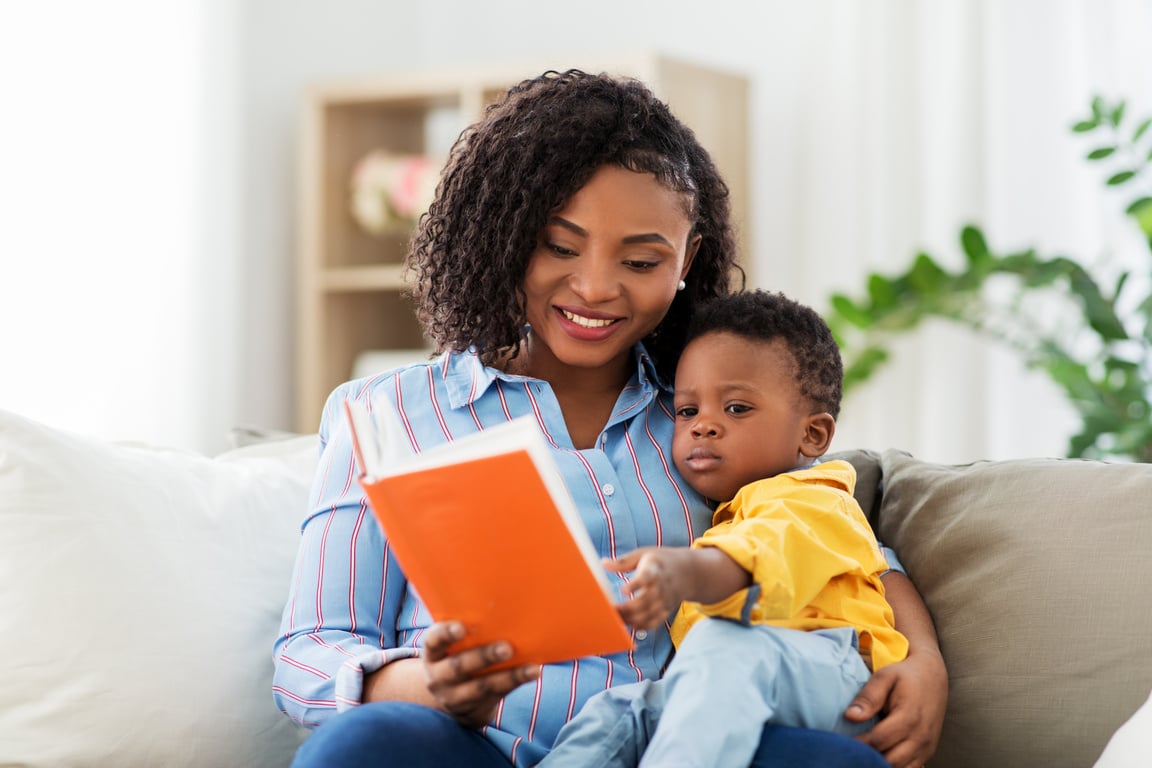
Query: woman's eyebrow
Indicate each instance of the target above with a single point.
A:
(648, 237)
(571, 227)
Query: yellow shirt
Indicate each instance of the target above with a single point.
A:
(814, 560)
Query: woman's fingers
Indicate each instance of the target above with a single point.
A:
(485, 690)
(438, 637)
(444, 669)
(463, 682)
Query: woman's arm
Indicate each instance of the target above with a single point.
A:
(910, 695)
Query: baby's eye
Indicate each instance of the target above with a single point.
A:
(737, 408)
(686, 411)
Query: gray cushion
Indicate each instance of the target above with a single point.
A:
(868, 480)
(1038, 574)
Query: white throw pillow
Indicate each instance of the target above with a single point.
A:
(1131, 745)
(140, 593)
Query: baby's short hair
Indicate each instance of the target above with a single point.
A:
(765, 316)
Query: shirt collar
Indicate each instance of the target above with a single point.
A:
(467, 379)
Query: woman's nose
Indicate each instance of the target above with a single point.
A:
(594, 279)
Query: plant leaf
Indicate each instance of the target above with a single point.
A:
(1097, 108)
(926, 276)
(975, 248)
(1137, 205)
(863, 366)
(1117, 114)
(851, 312)
(1141, 130)
(1098, 310)
(883, 292)
(1141, 210)
(1120, 282)
(1084, 126)
(1120, 178)
(1101, 153)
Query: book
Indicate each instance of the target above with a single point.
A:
(487, 533)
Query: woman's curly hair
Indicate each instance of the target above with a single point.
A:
(510, 171)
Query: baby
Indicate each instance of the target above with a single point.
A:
(782, 615)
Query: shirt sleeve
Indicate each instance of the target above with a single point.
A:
(793, 538)
(339, 622)
(892, 560)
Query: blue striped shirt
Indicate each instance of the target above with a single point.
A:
(350, 609)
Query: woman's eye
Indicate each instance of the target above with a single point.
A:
(642, 266)
(560, 250)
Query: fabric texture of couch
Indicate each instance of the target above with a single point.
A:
(141, 588)
(1038, 575)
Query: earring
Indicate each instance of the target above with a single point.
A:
(681, 285)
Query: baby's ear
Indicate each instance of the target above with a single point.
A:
(818, 431)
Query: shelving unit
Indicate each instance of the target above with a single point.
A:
(351, 283)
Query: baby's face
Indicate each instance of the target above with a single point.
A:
(739, 413)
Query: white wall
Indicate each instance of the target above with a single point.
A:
(105, 259)
(879, 127)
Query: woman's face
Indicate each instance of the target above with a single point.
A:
(604, 273)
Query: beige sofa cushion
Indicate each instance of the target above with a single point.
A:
(1038, 574)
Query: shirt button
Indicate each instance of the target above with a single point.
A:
(641, 634)
(608, 489)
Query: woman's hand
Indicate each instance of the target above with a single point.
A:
(910, 695)
(462, 683)
(915, 692)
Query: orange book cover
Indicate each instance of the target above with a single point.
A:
(486, 532)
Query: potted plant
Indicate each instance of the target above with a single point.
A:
(1091, 333)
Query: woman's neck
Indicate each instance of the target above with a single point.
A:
(539, 363)
(586, 396)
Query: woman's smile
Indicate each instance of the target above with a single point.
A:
(585, 325)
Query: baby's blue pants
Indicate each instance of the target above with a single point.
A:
(725, 683)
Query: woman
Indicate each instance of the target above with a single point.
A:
(581, 209)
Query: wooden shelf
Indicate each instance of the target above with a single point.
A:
(383, 277)
(351, 284)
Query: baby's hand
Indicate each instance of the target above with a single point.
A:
(656, 588)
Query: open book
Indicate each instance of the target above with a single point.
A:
(486, 531)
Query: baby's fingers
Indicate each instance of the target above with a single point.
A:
(625, 562)
(642, 613)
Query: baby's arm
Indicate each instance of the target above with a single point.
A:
(667, 576)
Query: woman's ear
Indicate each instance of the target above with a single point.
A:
(690, 254)
(818, 431)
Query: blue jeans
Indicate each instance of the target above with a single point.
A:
(726, 681)
(400, 735)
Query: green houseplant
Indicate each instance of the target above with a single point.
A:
(1088, 329)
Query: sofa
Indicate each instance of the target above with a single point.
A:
(1038, 576)
(141, 588)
